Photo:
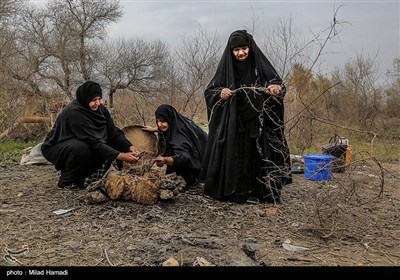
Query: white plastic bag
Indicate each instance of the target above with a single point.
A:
(33, 156)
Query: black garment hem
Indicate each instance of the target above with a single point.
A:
(71, 186)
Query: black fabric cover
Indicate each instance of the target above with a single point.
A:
(184, 141)
(247, 154)
(239, 39)
(87, 92)
(82, 139)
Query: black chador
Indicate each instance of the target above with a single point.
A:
(247, 155)
(184, 141)
(82, 140)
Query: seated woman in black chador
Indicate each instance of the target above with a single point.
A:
(181, 143)
(84, 140)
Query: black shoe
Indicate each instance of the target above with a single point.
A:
(236, 198)
(71, 186)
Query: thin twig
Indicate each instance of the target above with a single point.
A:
(108, 259)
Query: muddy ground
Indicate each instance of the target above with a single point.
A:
(352, 220)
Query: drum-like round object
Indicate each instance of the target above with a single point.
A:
(144, 141)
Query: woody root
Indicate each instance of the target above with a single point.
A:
(141, 182)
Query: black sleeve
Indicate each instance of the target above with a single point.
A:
(115, 136)
(99, 145)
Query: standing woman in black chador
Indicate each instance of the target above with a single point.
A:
(247, 156)
(181, 143)
(84, 140)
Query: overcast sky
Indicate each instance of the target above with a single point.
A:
(373, 26)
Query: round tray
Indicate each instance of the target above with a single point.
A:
(144, 141)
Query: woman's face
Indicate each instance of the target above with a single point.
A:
(163, 126)
(241, 53)
(95, 103)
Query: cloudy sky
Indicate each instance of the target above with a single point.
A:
(372, 27)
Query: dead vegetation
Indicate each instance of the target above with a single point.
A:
(352, 220)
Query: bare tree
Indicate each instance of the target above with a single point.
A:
(89, 19)
(9, 7)
(56, 42)
(285, 49)
(8, 12)
(14, 95)
(359, 83)
(295, 59)
(392, 102)
(132, 65)
(195, 64)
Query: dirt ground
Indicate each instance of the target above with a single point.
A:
(352, 220)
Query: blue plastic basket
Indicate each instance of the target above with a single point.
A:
(318, 167)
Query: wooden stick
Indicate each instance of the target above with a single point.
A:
(21, 120)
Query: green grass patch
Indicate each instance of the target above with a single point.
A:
(384, 151)
(11, 152)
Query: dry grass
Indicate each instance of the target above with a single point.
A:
(349, 221)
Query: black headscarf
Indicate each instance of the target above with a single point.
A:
(87, 92)
(84, 94)
(239, 39)
(185, 138)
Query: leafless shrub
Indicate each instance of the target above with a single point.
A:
(346, 199)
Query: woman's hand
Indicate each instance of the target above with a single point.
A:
(128, 157)
(274, 89)
(225, 93)
(160, 161)
(149, 128)
(134, 151)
